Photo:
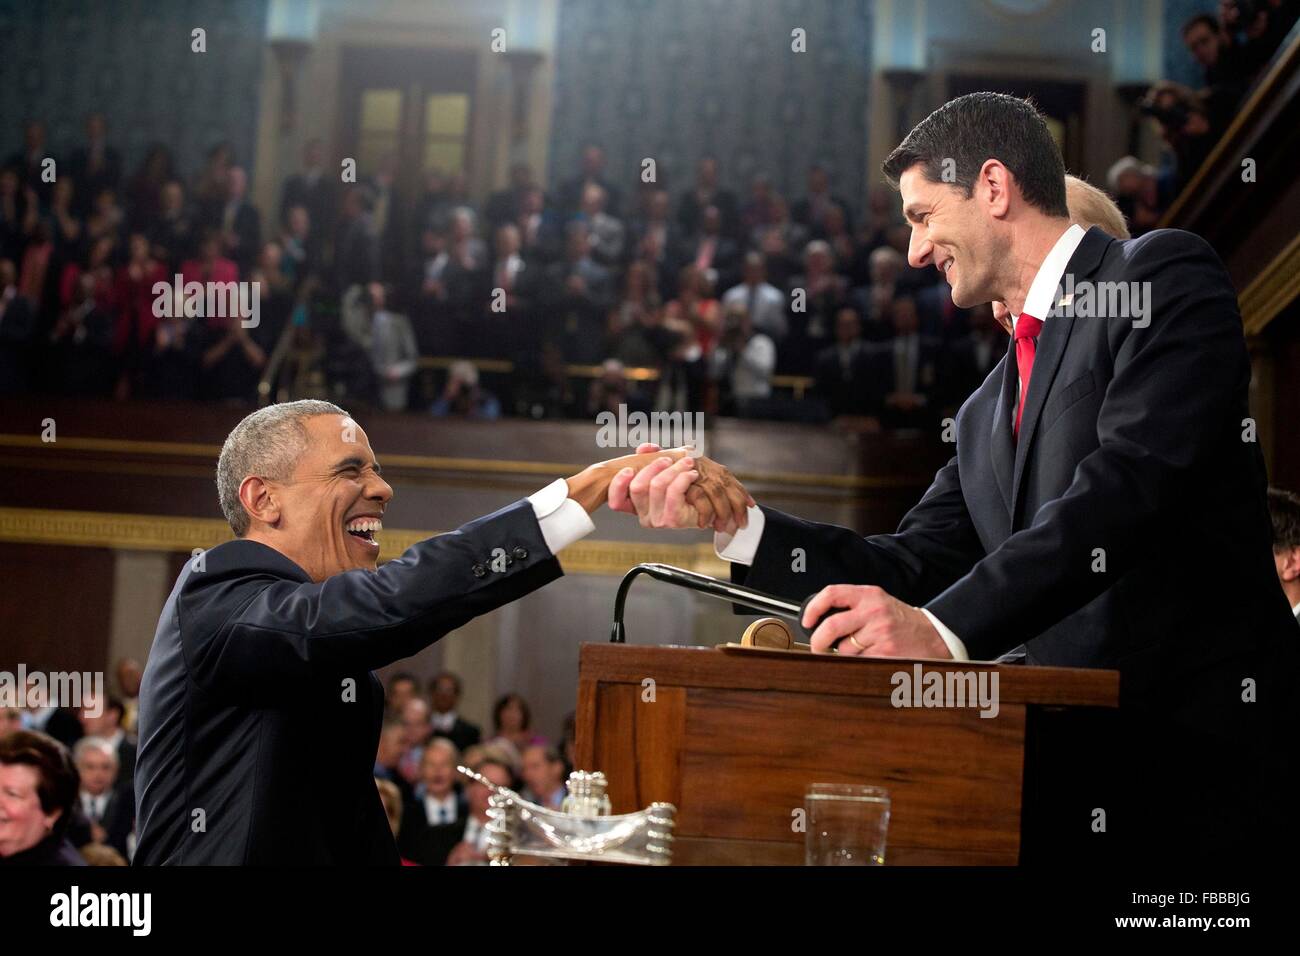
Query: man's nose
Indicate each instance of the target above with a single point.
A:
(919, 250)
(379, 490)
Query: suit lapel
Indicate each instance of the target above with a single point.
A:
(1047, 357)
(1003, 450)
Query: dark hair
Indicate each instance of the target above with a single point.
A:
(445, 675)
(505, 702)
(1284, 509)
(978, 127)
(1200, 18)
(403, 676)
(58, 780)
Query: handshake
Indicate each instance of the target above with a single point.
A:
(666, 489)
(679, 489)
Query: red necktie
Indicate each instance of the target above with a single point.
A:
(1027, 329)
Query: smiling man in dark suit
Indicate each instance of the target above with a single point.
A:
(1105, 505)
(260, 713)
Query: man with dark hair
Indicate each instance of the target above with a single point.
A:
(1284, 509)
(444, 690)
(1102, 455)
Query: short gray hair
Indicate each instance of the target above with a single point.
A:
(87, 744)
(267, 443)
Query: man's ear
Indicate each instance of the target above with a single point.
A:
(258, 500)
(994, 187)
(1290, 567)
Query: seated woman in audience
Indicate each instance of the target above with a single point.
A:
(38, 787)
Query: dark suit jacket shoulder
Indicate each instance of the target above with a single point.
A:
(259, 711)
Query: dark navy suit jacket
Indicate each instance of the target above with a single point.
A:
(1126, 528)
(259, 712)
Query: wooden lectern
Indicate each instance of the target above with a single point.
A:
(734, 737)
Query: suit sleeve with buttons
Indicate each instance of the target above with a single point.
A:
(283, 632)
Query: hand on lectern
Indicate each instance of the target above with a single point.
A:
(694, 492)
(863, 620)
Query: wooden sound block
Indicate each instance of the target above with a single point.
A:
(771, 633)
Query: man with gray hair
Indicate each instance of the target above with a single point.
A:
(259, 709)
(108, 807)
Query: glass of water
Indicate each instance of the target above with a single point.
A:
(846, 825)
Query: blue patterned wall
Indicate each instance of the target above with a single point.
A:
(131, 60)
(675, 79)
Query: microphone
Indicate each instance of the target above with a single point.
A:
(702, 583)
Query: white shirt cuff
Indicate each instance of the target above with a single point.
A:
(740, 548)
(563, 520)
(955, 647)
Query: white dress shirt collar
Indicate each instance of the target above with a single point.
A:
(1042, 291)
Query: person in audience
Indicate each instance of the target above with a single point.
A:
(505, 205)
(211, 186)
(29, 162)
(400, 688)
(314, 188)
(129, 673)
(173, 233)
(144, 191)
(18, 324)
(11, 719)
(137, 318)
(1183, 118)
(394, 807)
(512, 724)
(764, 303)
(434, 821)
(67, 228)
(696, 317)
(605, 233)
(820, 291)
(444, 692)
(1284, 509)
(743, 362)
(705, 193)
(356, 247)
(237, 221)
(390, 342)
(845, 376)
(907, 370)
(579, 293)
(472, 848)
(711, 251)
(811, 212)
(101, 717)
(389, 753)
(82, 342)
(299, 258)
(418, 729)
(592, 172)
(38, 790)
(544, 776)
(106, 802)
(463, 397)
(107, 218)
(973, 356)
(19, 210)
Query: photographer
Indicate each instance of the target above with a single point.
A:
(1185, 125)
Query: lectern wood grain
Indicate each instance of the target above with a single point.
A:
(734, 739)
